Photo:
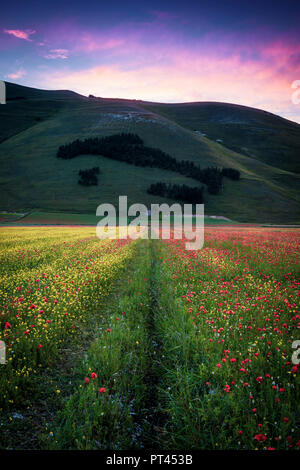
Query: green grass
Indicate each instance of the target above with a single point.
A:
(120, 357)
(37, 217)
(258, 134)
(33, 107)
(9, 216)
(33, 178)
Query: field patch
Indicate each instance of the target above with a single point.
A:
(120, 344)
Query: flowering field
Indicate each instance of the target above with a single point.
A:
(51, 283)
(230, 329)
(141, 344)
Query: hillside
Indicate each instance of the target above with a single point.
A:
(252, 132)
(38, 122)
(26, 106)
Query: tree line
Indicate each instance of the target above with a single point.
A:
(130, 148)
(180, 192)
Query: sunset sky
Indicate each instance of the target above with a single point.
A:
(169, 51)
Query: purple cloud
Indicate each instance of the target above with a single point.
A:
(20, 34)
(57, 54)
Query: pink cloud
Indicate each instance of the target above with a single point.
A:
(57, 54)
(202, 74)
(18, 74)
(20, 34)
(97, 42)
(151, 62)
(186, 80)
(80, 40)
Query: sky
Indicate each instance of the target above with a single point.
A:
(243, 52)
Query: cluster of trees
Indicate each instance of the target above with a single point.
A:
(130, 148)
(231, 173)
(180, 192)
(117, 147)
(88, 177)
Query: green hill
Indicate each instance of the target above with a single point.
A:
(28, 106)
(34, 123)
(252, 132)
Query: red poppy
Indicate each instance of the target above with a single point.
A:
(260, 437)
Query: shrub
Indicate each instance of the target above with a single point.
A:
(88, 177)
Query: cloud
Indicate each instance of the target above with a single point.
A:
(97, 42)
(152, 61)
(185, 80)
(18, 74)
(20, 34)
(57, 54)
(191, 75)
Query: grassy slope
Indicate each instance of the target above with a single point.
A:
(26, 106)
(32, 176)
(253, 132)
